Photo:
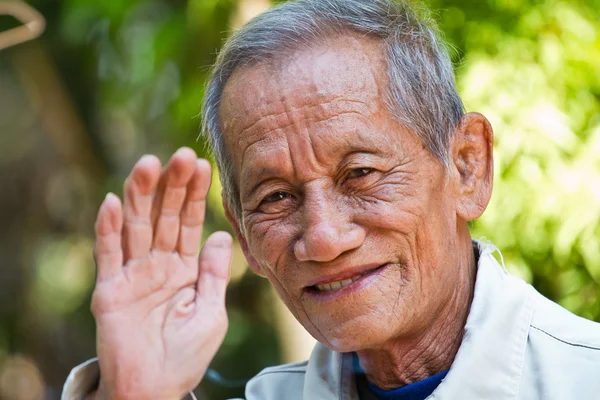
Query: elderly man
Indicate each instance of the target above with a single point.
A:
(350, 173)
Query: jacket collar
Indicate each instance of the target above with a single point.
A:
(490, 358)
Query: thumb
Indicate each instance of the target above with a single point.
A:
(213, 266)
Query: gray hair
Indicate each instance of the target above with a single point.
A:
(422, 92)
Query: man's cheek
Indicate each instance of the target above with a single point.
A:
(400, 215)
(267, 240)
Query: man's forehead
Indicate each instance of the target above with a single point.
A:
(329, 75)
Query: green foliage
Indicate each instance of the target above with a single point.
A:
(531, 68)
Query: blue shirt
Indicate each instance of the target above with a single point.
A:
(415, 391)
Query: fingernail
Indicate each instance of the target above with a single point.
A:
(110, 196)
(146, 158)
(182, 150)
(223, 238)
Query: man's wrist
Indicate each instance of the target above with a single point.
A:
(100, 394)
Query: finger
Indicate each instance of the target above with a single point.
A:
(194, 210)
(177, 175)
(138, 192)
(109, 225)
(213, 266)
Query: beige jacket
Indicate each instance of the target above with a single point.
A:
(517, 345)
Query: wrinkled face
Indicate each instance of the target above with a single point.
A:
(345, 212)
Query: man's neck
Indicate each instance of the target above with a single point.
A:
(403, 361)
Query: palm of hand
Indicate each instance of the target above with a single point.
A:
(159, 307)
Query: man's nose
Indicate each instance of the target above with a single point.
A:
(328, 231)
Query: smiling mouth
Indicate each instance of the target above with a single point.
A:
(337, 285)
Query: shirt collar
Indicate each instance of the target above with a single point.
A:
(490, 358)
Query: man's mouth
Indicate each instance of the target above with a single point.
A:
(340, 284)
(343, 281)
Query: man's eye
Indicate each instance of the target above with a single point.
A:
(359, 172)
(275, 197)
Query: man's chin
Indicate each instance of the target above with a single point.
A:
(347, 346)
(343, 346)
(351, 337)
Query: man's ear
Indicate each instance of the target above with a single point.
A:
(242, 239)
(472, 154)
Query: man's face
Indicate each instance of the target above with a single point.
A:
(345, 211)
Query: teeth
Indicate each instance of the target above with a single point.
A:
(339, 284)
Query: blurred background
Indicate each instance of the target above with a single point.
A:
(110, 80)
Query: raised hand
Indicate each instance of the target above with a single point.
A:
(159, 307)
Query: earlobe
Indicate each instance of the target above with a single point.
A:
(472, 147)
(241, 239)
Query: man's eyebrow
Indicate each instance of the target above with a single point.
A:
(263, 175)
(367, 149)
